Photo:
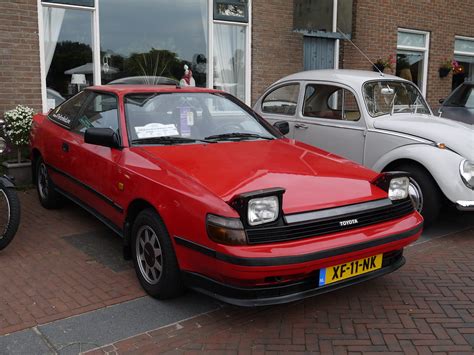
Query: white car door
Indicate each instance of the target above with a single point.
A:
(280, 104)
(330, 118)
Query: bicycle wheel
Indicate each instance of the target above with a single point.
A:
(9, 215)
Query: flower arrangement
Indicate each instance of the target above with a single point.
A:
(450, 66)
(383, 63)
(17, 126)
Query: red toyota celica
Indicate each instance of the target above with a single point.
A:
(208, 195)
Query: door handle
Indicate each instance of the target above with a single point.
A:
(65, 147)
(301, 126)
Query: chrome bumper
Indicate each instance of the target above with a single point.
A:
(465, 205)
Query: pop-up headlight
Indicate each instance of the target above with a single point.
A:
(396, 184)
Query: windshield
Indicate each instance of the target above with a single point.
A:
(181, 118)
(391, 97)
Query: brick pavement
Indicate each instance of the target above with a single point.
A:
(426, 307)
(44, 277)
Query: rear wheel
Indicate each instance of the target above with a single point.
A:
(424, 192)
(154, 257)
(48, 196)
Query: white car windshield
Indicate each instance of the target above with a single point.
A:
(392, 97)
(180, 118)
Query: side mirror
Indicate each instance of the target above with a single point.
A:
(441, 101)
(105, 137)
(282, 126)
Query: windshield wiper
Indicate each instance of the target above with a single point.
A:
(237, 135)
(168, 140)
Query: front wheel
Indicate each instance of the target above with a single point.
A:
(9, 215)
(154, 258)
(424, 192)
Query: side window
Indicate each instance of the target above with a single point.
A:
(282, 101)
(101, 112)
(66, 113)
(330, 102)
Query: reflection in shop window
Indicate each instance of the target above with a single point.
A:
(154, 38)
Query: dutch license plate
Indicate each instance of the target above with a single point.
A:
(350, 269)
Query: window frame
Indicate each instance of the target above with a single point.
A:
(288, 83)
(425, 50)
(337, 87)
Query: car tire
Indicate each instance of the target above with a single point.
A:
(154, 258)
(424, 192)
(13, 219)
(47, 194)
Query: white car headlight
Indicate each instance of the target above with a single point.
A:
(3, 145)
(398, 188)
(467, 173)
(263, 210)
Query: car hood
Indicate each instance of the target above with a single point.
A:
(456, 135)
(313, 179)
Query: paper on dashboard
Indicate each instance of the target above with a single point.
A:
(152, 130)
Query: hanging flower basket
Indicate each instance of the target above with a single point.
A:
(444, 72)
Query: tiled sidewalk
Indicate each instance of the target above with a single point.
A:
(50, 272)
(426, 307)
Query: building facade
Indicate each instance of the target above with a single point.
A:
(51, 49)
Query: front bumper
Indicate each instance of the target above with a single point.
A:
(287, 292)
(465, 205)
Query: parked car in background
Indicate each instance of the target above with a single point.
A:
(207, 194)
(382, 122)
(54, 98)
(459, 105)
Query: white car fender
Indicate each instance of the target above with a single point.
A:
(442, 164)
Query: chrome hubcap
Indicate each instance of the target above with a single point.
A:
(148, 254)
(4, 217)
(43, 181)
(416, 195)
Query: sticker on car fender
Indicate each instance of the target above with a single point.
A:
(350, 269)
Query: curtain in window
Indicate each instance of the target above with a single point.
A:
(229, 59)
(52, 22)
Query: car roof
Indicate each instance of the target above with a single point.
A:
(128, 89)
(348, 76)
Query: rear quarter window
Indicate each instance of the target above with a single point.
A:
(65, 114)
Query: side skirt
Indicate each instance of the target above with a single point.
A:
(92, 211)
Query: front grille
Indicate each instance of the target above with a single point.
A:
(329, 224)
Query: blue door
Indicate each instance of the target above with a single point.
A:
(318, 53)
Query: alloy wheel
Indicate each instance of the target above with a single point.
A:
(149, 254)
(43, 181)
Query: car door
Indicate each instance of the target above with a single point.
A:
(58, 138)
(95, 167)
(280, 104)
(330, 118)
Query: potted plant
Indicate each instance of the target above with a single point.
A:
(382, 63)
(17, 131)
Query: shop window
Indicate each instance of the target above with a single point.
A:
(412, 57)
(282, 101)
(89, 3)
(464, 55)
(330, 102)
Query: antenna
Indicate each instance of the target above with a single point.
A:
(347, 38)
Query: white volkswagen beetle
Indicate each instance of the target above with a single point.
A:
(382, 122)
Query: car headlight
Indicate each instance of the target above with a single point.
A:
(3, 145)
(263, 210)
(225, 230)
(398, 188)
(466, 169)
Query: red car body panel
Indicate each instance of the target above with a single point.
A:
(186, 182)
